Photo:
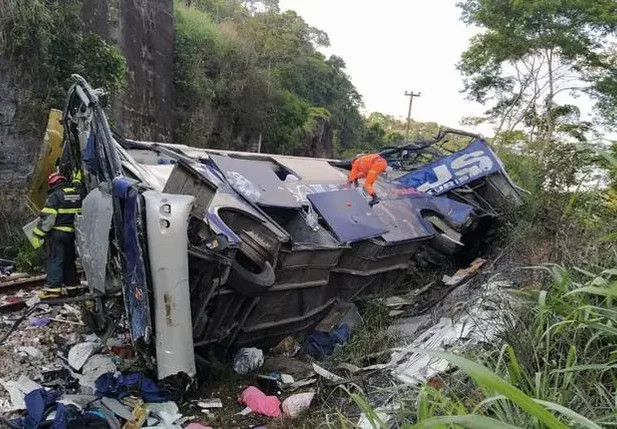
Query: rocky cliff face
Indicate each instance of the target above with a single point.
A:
(319, 142)
(18, 140)
(147, 41)
(143, 30)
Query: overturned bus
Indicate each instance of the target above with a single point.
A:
(213, 250)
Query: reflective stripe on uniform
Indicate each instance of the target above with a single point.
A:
(69, 211)
(39, 232)
(68, 190)
(64, 228)
(48, 210)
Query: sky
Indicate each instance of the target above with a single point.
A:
(393, 46)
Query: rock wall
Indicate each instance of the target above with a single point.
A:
(95, 14)
(319, 144)
(144, 32)
(18, 140)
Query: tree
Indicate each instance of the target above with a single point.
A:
(250, 72)
(533, 51)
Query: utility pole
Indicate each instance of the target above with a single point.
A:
(411, 95)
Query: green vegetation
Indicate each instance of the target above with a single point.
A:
(244, 71)
(553, 366)
(533, 53)
(41, 45)
(44, 44)
(243, 75)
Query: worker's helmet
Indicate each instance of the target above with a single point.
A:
(54, 178)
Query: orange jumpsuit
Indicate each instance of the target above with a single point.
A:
(370, 167)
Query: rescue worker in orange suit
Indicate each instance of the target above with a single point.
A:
(368, 167)
(55, 230)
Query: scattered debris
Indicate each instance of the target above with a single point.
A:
(382, 413)
(139, 413)
(288, 347)
(479, 322)
(248, 359)
(18, 390)
(321, 344)
(326, 374)
(464, 273)
(167, 412)
(409, 327)
(211, 403)
(114, 385)
(118, 408)
(348, 367)
(94, 367)
(343, 314)
(268, 383)
(6, 270)
(294, 367)
(297, 403)
(30, 351)
(40, 321)
(79, 354)
(302, 383)
(125, 351)
(258, 402)
(245, 412)
(397, 302)
(286, 379)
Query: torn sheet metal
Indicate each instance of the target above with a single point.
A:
(481, 322)
(256, 181)
(166, 224)
(92, 229)
(464, 273)
(348, 215)
(135, 288)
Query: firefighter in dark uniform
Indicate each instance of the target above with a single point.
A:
(56, 229)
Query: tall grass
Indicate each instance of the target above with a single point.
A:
(555, 365)
(553, 368)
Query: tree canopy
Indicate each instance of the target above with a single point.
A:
(246, 72)
(531, 52)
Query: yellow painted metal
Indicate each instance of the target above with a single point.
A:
(50, 151)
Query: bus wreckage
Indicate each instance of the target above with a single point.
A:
(213, 250)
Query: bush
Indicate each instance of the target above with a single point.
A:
(553, 365)
(45, 44)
